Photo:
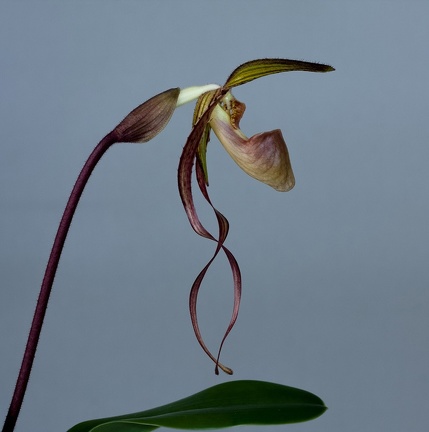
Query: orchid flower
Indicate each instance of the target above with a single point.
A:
(264, 156)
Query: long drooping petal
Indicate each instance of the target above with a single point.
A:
(186, 164)
(264, 156)
(236, 274)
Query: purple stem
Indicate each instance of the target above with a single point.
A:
(48, 280)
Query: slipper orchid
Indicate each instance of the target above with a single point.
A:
(264, 156)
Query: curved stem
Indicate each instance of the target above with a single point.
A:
(48, 280)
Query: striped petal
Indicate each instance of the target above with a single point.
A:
(255, 69)
(186, 164)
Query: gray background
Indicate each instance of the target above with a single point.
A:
(335, 272)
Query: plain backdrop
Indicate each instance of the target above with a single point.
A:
(335, 272)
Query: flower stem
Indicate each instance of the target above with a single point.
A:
(48, 280)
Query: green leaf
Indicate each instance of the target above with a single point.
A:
(123, 426)
(229, 404)
(258, 68)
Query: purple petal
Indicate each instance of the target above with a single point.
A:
(223, 232)
(185, 189)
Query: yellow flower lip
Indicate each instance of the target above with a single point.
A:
(264, 156)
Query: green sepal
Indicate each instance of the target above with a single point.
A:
(201, 106)
(258, 68)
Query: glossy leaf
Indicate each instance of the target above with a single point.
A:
(229, 404)
(258, 68)
(124, 426)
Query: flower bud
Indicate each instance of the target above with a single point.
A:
(148, 119)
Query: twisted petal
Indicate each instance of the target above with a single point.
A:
(264, 156)
(223, 225)
(187, 160)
